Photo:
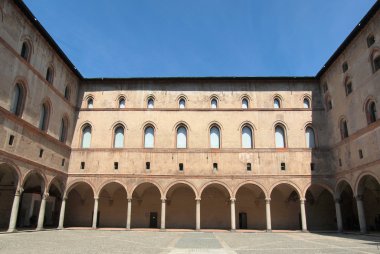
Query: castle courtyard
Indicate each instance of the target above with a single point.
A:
(111, 241)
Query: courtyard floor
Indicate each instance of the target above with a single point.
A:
(103, 241)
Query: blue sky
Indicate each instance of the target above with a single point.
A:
(166, 38)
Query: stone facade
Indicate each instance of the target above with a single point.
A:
(77, 152)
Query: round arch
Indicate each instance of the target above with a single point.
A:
(297, 189)
(57, 179)
(181, 182)
(70, 186)
(134, 187)
(31, 172)
(250, 182)
(338, 186)
(359, 179)
(107, 182)
(14, 167)
(215, 183)
(321, 184)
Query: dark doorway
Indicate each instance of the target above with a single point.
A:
(243, 221)
(153, 220)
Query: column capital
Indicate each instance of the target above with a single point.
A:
(19, 191)
(337, 200)
(267, 200)
(359, 197)
(232, 199)
(129, 199)
(302, 200)
(197, 199)
(45, 195)
(96, 198)
(64, 198)
(163, 200)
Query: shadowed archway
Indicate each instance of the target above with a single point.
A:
(369, 190)
(8, 185)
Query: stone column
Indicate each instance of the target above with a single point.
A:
(198, 214)
(163, 213)
(361, 214)
(95, 216)
(303, 215)
(233, 222)
(338, 215)
(129, 211)
(62, 213)
(41, 214)
(14, 213)
(268, 216)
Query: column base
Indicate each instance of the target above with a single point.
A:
(232, 230)
(305, 231)
(60, 228)
(162, 229)
(94, 228)
(12, 230)
(39, 229)
(269, 230)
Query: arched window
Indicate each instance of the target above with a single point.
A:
(214, 137)
(371, 112)
(310, 137)
(150, 103)
(306, 103)
(328, 103)
(18, 97)
(122, 102)
(49, 75)
(63, 130)
(90, 103)
(244, 103)
(343, 129)
(119, 137)
(376, 63)
(280, 136)
(246, 137)
(25, 51)
(86, 136)
(348, 87)
(277, 103)
(214, 103)
(182, 103)
(67, 93)
(44, 116)
(181, 137)
(149, 137)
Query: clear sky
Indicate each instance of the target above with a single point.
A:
(165, 38)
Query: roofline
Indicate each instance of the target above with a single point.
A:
(350, 38)
(163, 79)
(22, 6)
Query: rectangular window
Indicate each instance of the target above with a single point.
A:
(63, 162)
(180, 167)
(249, 167)
(116, 165)
(325, 88)
(361, 154)
(147, 165)
(41, 152)
(340, 162)
(215, 166)
(82, 165)
(348, 88)
(283, 167)
(312, 165)
(11, 139)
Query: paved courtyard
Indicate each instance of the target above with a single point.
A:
(90, 241)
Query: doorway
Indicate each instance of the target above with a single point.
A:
(243, 221)
(153, 220)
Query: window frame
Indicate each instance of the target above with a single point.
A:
(84, 127)
(252, 136)
(315, 137)
(17, 107)
(118, 126)
(285, 141)
(144, 136)
(176, 136)
(219, 136)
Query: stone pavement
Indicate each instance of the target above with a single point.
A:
(103, 241)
